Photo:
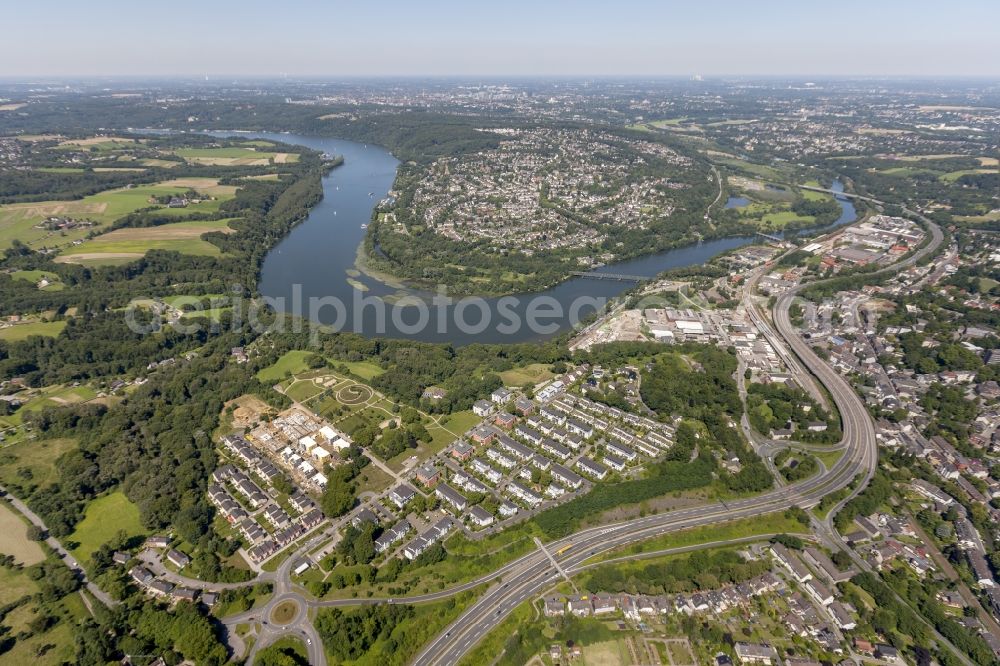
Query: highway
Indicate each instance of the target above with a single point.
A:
(532, 574)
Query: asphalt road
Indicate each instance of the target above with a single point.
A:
(533, 573)
(55, 545)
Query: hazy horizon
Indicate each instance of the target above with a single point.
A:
(445, 38)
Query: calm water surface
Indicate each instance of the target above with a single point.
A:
(317, 258)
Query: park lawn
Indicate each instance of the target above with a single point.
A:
(14, 538)
(771, 523)
(290, 363)
(780, 220)
(423, 451)
(19, 332)
(809, 195)
(103, 518)
(303, 390)
(39, 457)
(373, 479)
(363, 369)
(134, 242)
(440, 437)
(527, 374)
(459, 422)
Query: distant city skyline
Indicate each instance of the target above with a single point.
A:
(449, 38)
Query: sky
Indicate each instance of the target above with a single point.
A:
(513, 37)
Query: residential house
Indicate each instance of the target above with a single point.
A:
(401, 495)
(482, 408)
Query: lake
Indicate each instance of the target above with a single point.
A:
(307, 273)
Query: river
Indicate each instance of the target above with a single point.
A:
(307, 273)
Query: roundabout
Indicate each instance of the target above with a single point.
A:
(285, 612)
(355, 394)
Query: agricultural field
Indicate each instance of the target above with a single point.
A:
(58, 396)
(61, 169)
(234, 156)
(952, 176)
(14, 538)
(133, 243)
(101, 143)
(19, 220)
(102, 520)
(37, 276)
(34, 460)
(17, 332)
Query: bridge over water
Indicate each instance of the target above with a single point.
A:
(619, 277)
